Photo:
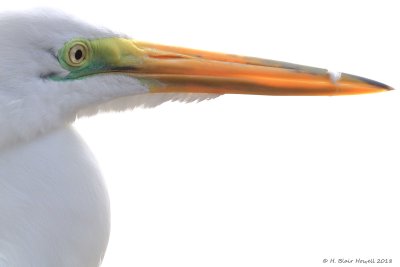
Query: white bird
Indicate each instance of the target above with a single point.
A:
(54, 207)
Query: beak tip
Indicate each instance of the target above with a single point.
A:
(368, 85)
(388, 88)
(377, 84)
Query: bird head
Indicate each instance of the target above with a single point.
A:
(54, 68)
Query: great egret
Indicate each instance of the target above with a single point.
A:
(53, 204)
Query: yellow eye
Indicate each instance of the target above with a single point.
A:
(77, 54)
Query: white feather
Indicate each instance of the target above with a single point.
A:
(53, 204)
(31, 105)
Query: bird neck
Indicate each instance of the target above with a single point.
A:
(54, 205)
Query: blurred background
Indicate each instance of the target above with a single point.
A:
(253, 180)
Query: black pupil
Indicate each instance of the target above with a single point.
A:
(78, 54)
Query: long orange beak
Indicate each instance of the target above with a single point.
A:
(188, 70)
(167, 69)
